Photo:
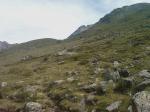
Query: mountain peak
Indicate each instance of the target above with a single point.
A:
(121, 14)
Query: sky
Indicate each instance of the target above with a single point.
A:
(24, 20)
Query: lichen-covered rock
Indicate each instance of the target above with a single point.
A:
(33, 107)
(141, 102)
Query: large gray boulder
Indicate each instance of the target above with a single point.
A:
(33, 107)
(141, 102)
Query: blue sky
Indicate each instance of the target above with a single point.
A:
(24, 20)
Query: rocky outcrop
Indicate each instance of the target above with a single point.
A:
(80, 30)
(141, 102)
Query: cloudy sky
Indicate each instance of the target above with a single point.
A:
(24, 20)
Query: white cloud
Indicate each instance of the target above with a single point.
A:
(24, 20)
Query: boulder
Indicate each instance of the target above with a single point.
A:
(111, 75)
(70, 79)
(116, 64)
(124, 73)
(141, 102)
(3, 84)
(33, 107)
(142, 85)
(114, 106)
(72, 73)
(144, 74)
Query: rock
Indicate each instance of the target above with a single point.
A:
(114, 106)
(141, 102)
(89, 88)
(26, 58)
(97, 71)
(124, 73)
(65, 52)
(128, 82)
(72, 73)
(142, 86)
(111, 75)
(130, 109)
(59, 82)
(61, 62)
(33, 107)
(104, 85)
(71, 79)
(90, 100)
(116, 64)
(144, 74)
(3, 84)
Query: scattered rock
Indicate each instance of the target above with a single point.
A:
(142, 86)
(61, 62)
(114, 106)
(3, 84)
(111, 75)
(65, 52)
(26, 58)
(33, 107)
(72, 73)
(71, 79)
(116, 64)
(124, 73)
(144, 74)
(141, 102)
(59, 82)
(130, 109)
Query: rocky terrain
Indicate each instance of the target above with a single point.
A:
(103, 69)
(4, 45)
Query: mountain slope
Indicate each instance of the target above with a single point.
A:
(80, 30)
(133, 20)
(91, 71)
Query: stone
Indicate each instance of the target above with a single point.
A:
(114, 106)
(4, 84)
(111, 75)
(142, 85)
(144, 74)
(141, 102)
(116, 64)
(130, 109)
(72, 73)
(70, 79)
(59, 82)
(104, 85)
(33, 107)
(124, 73)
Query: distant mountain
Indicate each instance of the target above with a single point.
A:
(80, 30)
(120, 22)
(4, 45)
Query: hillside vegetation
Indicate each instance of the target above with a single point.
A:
(84, 73)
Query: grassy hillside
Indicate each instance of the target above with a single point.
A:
(62, 73)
